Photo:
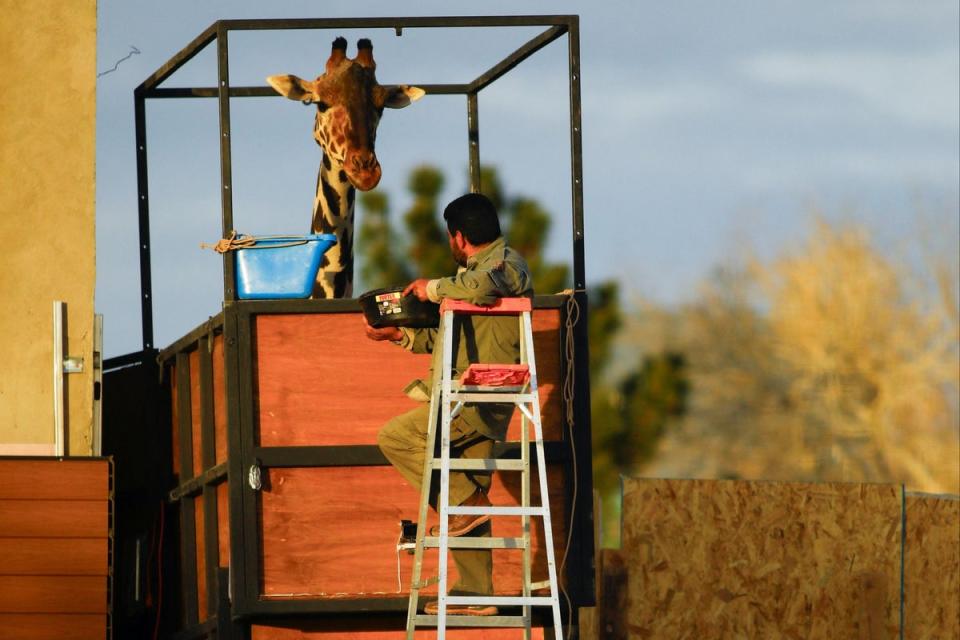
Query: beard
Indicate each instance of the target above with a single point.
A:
(459, 256)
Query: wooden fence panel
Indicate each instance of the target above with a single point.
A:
(719, 559)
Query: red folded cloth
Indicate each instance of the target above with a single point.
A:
(496, 375)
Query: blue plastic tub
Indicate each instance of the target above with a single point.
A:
(280, 266)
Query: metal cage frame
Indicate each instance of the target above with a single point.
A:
(234, 323)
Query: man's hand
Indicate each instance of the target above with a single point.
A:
(382, 333)
(418, 288)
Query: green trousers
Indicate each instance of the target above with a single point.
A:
(403, 441)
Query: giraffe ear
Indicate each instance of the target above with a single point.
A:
(293, 87)
(401, 95)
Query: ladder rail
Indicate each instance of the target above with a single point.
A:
(527, 358)
(443, 501)
(415, 585)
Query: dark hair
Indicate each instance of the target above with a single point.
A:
(475, 217)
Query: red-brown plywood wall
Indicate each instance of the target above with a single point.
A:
(320, 381)
(54, 531)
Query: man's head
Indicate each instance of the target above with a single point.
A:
(472, 223)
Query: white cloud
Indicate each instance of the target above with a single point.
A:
(919, 88)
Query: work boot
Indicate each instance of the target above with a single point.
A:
(462, 524)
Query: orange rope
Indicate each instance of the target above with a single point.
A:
(230, 244)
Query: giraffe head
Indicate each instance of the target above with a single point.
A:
(349, 105)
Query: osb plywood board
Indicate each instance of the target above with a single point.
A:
(320, 381)
(932, 567)
(730, 559)
(332, 532)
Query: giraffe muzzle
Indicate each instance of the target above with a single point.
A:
(363, 171)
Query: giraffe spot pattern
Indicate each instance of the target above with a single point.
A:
(331, 197)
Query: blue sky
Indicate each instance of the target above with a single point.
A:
(706, 126)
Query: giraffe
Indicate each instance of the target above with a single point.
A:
(349, 105)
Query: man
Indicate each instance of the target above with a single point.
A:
(488, 270)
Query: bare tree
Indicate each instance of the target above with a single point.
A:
(830, 362)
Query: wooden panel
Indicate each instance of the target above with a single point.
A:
(54, 556)
(174, 421)
(32, 626)
(53, 594)
(332, 532)
(219, 400)
(266, 632)
(223, 519)
(932, 567)
(195, 411)
(61, 518)
(201, 547)
(762, 559)
(53, 479)
(322, 382)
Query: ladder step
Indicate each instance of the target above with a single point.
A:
(466, 542)
(476, 388)
(502, 601)
(456, 396)
(472, 621)
(496, 511)
(481, 464)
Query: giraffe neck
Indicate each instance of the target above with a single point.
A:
(333, 213)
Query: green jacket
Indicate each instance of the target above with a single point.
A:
(496, 271)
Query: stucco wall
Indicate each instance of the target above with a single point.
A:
(47, 154)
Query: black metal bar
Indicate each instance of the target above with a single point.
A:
(227, 629)
(129, 360)
(473, 140)
(198, 631)
(188, 525)
(369, 455)
(208, 450)
(361, 455)
(211, 546)
(525, 51)
(245, 400)
(581, 558)
(576, 155)
(143, 210)
(235, 486)
(269, 92)
(212, 476)
(184, 417)
(208, 458)
(281, 607)
(226, 171)
(397, 22)
(180, 58)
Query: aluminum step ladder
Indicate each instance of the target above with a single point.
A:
(448, 397)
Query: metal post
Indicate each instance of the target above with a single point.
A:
(473, 136)
(576, 151)
(226, 175)
(143, 209)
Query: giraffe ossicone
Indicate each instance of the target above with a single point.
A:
(349, 103)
